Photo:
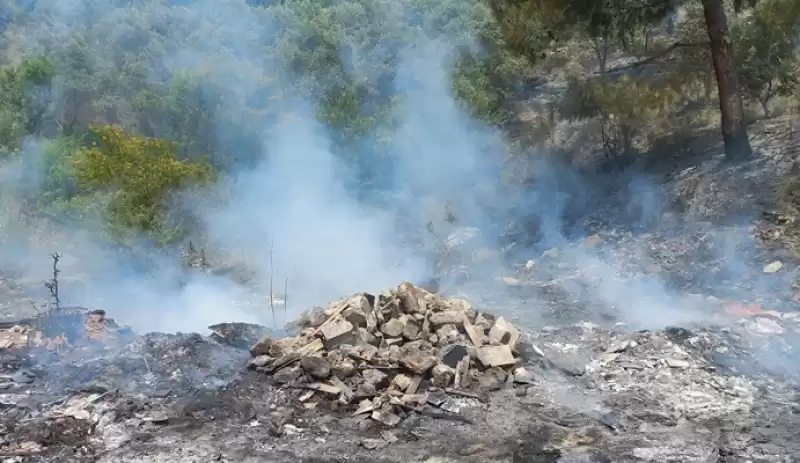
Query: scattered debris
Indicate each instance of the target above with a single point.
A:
(773, 267)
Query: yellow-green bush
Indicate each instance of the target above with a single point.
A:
(136, 176)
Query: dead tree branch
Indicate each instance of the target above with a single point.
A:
(52, 285)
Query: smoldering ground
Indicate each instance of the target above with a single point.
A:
(294, 211)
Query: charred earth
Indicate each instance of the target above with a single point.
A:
(406, 376)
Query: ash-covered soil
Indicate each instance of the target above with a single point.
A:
(590, 394)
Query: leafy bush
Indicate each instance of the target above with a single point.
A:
(622, 106)
(137, 176)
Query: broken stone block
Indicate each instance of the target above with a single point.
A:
(495, 356)
(366, 337)
(393, 328)
(287, 374)
(312, 347)
(570, 364)
(462, 373)
(418, 345)
(374, 444)
(411, 330)
(401, 382)
(387, 418)
(366, 390)
(365, 352)
(412, 388)
(312, 318)
(418, 363)
(375, 377)
(411, 298)
(677, 363)
(343, 368)
(503, 332)
(262, 347)
(325, 388)
(447, 317)
(448, 334)
(316, 367)
(260, 361)
(394, 353)
(443, 375)
(361, 301)
(475, 335)
(355, 316)
(484, 322)
(337, 331)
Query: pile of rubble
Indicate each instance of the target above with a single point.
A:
(389, 355)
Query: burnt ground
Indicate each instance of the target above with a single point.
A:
(712, 385)
(598, 396)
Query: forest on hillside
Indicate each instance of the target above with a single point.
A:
(118, 104)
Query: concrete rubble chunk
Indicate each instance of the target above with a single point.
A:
(262, 347)
(364, 336)
(393, 328)
(337, 330)
(312, 318)
(411, 329)
(476, 336)
(418, 363)
(316, 367)
(374, 377)
(287, 374)
(446, 317)
(484, 322)
(412, 298)
(677, 363)
(496, 356)
(443, 375)
(401, 381)
(260, 361)
(503, 332)
(355, 317)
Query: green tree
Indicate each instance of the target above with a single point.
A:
(767, 51)
(606, 19)
(24, 100)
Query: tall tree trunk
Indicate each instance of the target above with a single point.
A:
(734, 130)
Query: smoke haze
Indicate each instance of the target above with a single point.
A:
(290, 212)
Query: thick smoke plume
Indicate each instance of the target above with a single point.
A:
(291, 214)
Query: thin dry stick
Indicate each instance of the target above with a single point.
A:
(285, 297)
(39, 312)
(271, 279)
